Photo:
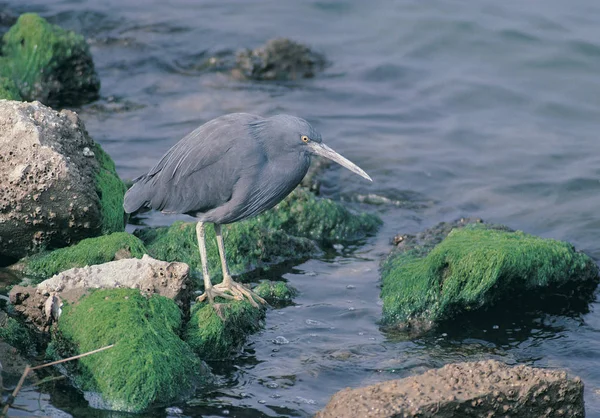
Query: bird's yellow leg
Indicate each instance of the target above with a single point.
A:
(209, 291)
(238, 290)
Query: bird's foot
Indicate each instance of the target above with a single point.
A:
(231, 290)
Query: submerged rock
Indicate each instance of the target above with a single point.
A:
(215, 333)
(478, 389)
(56, 185)
(276, 293)
(42, 304)
(48, 63)
(149, 364)
(478, 267)
(87, 252)
(278, 59)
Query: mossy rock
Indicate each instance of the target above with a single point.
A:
(110, 189)
(149, 363)
(248, 245)
(17, 335)
(302, 214)
(284, 233)
(48, 63)
(216, 336)
(480, 267)
(87, 252)
(8, 88)
(276, 293)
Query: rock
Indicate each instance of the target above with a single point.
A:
(477, 267)
(12, 365)
(249, 246)
(478, 389)
(276, 293)
(17, 335)
(278, 59)
(216, 333)
(280, 234)
(87, 252)
(147, 275)
(56, 185)
(48, 63)
(149, 364)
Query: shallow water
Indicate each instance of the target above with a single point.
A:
(455, 108)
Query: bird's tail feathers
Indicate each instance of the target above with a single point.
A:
(137, 196)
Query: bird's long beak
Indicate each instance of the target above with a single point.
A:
(324, 151)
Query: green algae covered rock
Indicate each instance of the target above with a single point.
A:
(8, 88)
(48, 63)
(248, 246)
(149, 363)
(16, 334)
(215, 332)
(286, 232)
(326, 221)
(110, 189)
(87, 252)
(276, 293)
(478, 267)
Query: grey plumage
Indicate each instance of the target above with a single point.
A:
(231, 168)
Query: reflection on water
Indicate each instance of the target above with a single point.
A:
(455, 109)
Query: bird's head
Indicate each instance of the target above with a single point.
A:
(298, 135)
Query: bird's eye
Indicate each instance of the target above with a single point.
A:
(304, 138)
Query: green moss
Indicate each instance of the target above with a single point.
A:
(215, 337)
(48, 63)
(149, 362)
(275, 293)
(87, 252)
(110, 190)
(18, 336)
(248, 244)
(8, 89)
(478, 267)
(302, 214)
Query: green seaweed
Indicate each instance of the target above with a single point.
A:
(248, 244)
(18, 335)
(8, 88)
(149, 362)
(478, 267)
(215, 332)
(48, 63)
(302, 214)
(275, 293)
(110, 190)
(86, 252)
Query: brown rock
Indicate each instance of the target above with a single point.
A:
(461, 390)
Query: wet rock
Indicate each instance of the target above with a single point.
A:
(42, 305)
(17, 335)
(149, 363)
(215, 333)
(12, 365)
(447, 272)
(56, 185)
(48, 63)
(276, 293)
(87, 252)
(278, 59)
(249, 246)
(289, 231)
(478, 389)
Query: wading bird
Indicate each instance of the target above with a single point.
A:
(231, 168)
